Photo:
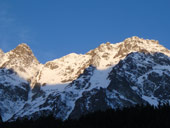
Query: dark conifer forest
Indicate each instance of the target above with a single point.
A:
(133, 117)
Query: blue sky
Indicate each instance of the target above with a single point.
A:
(54, 28)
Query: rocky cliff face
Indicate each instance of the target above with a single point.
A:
(135, 71)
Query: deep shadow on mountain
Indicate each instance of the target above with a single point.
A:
(13, 92)
(143, 116)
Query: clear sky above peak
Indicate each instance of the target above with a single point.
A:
(54, 28)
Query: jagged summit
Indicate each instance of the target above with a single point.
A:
(141, 45)
(22, 55)
(22, 61)
(133, 42)
(136, 39)
(23, 50)
(24, 45)
(108, 54)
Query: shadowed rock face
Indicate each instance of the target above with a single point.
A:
(13, 93)
(139, 75)
(144, 73)
(0, 119)
(110, 76)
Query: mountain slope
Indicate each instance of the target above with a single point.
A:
(135, 71)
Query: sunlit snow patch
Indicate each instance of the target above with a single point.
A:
(151, 100)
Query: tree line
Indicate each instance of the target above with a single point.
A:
(139, 116)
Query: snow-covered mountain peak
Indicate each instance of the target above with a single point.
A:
(23, 45)
(63, 70)
(108, 54)
(22, 61)
(135, 40)
(136, 44)
(22, 50)
(22, 55)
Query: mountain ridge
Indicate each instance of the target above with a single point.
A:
(75, 84)
(104, 56)
(133, 39)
